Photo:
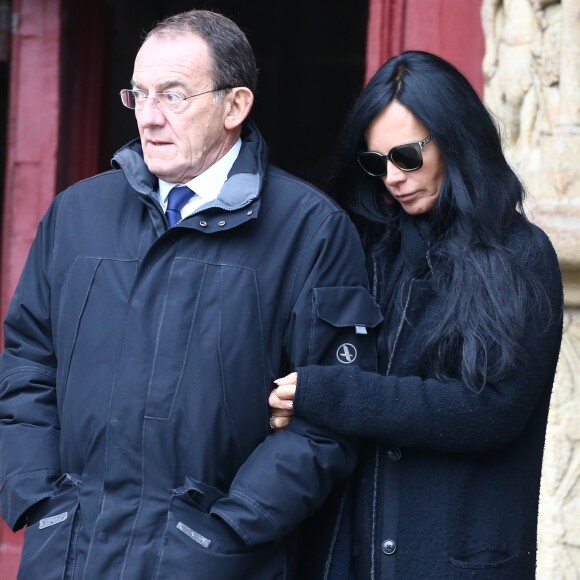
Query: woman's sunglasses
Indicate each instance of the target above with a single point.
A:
(407, 157)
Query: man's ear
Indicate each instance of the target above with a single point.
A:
(239, 103)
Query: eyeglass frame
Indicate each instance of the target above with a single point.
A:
(388, 156)
(154, 96)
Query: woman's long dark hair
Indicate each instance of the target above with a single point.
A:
(483, 289)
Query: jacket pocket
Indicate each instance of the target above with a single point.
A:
(492, 565)
(199, 545)
(488, 521)
(486, 561)
(343, 327)
(51, 533)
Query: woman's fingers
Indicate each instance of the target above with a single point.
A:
(285, 392)
(290, 379)
(282, 398)
(279, 422)
(281, 401)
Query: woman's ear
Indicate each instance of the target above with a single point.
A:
(240, 101)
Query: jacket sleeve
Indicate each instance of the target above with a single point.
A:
(447, 416)
(331, 322)
(29, 422)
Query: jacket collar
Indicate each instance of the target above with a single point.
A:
(241, 188)
(238, 201)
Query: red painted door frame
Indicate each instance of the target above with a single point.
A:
(449, 28)
(32, 141)
(31, 163)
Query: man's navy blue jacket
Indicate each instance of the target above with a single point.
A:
(134, 436)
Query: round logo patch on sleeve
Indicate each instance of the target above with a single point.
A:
(346, 353)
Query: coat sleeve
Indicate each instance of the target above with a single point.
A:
(426, 413)
(331, 322)
(29, 421)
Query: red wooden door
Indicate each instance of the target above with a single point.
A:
(32, 144)
(449, 28)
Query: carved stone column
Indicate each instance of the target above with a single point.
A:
(532, 84)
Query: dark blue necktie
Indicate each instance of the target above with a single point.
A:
(176, 200)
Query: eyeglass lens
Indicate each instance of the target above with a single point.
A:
(405, 157)
(165, 101)
(128, 98)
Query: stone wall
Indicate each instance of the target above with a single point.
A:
(532, 84)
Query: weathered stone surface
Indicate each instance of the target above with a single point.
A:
(532, 75)
(559, 522)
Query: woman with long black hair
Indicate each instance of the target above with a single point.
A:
(452, 429)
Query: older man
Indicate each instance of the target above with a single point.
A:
(157, 305)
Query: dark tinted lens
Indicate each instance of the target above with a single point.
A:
(373, 163)
(407, 157)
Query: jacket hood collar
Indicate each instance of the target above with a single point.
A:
(130, 159)
(244, 181)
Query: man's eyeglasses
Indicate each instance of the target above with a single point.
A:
(407, 157)
(173, 102)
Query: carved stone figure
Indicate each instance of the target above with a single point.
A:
(532, 84)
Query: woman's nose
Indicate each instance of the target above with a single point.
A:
(394, 174)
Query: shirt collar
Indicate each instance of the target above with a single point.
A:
(209, 183)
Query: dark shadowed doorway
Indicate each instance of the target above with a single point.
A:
(310, 57)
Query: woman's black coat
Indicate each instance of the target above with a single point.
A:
(449, 478)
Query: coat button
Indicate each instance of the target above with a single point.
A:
(394, 454)
(222, 223)
(389, 547)
(250, 212)
(202, 224)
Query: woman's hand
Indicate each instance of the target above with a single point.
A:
(282, 401)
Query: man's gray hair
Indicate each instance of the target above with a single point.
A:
(233, 60)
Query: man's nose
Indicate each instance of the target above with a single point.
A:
(150, 114)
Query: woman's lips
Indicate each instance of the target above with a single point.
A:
(405, 197)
